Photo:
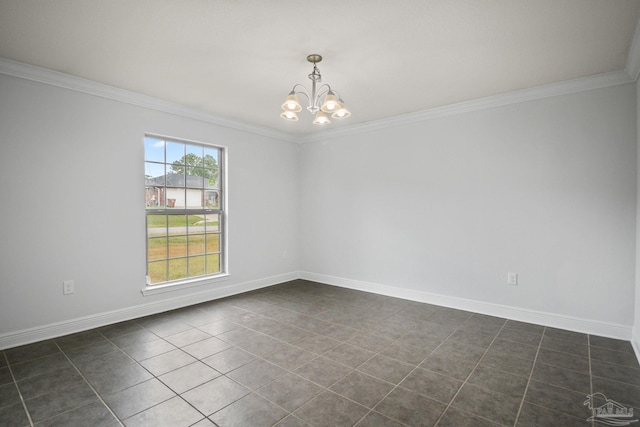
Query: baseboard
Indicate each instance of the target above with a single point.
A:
(604, 329)
(27, 336)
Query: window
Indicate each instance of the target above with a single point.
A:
(184, 203)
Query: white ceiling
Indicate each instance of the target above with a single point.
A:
(238, 59)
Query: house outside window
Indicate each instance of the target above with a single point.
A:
(185, 212)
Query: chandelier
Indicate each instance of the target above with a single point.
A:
(322, 100)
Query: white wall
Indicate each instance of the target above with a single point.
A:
(72, 207)
(448, 206)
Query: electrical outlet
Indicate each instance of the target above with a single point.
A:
(68, 287)
(512, 279)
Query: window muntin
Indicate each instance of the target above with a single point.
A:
(184, 210)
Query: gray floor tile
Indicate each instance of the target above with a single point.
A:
(410, 408)
(9, 394)
(167, 362)
(40, 366)
(103, 362)
(206, 347)
(370, 342)
(374, 419)
(610, 343)
(117, 329)
(503, 382)
(290, 334)
(291, 421)
(450, 365)
(571, 347)
(623, 358)
(189, 376)
(432, 385)
(228, 360)
(290, 391)
(13, 416)
(138, 398)
(256, 373)
(330, 410)
(518, 349)
(559, 399)
(290, 357)
(317, 343)
(136, 337)
(563, 360)
(362, 388)
(89, 353)
(387, 369)
(173, 412)
(348, 355)
(5, 376)
(615, 372)
(322, 371)
(535, 416)
(574, 337)
(218, 327)
(623, 393)
(408, 353)
(561, 377)
(31, 351)
(164, 328)
(190, 336)
(251, 410)
(477, 339)
(52, 404)
(110, 381)
(80, 339)
(454, 417)
(94, 415)
(524, 328)
(487, 404)
(146, 350)
(516, 335)
(261, 345)
(215, 395)
(58, 381)
(507, 362)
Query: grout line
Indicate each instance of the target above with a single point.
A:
(533, 367)
(590, 374)
(15, 383)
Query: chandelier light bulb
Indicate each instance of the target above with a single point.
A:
(321, 118)
(289, 115)
(330, 103)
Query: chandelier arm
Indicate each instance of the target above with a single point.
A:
(301, 92)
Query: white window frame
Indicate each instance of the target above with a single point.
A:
(172, 285)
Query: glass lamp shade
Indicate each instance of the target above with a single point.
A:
(330, 103)
(291, 103)
(289, 115)
(341, 112)
(321, 118)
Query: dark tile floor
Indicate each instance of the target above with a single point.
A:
(302, 353)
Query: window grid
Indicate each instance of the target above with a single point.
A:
(184, 211)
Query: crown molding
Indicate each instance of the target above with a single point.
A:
(633, 58)
(555, 89)
(55, 78)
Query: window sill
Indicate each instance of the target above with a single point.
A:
(183, 284)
